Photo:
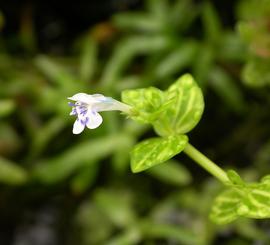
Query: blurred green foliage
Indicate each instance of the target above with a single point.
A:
(254, 30)
(169, 204)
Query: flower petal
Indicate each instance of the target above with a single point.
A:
(82, 97)
(88, 98)
(73, 112)
(94, 120)
(78, 127)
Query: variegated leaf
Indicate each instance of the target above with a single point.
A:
(186, 105)
(153, 151)
(250, 200)
(147, 103)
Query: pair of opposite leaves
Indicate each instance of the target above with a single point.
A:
(172, 113)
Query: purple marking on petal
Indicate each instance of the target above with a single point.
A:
(71, 104)
(83, 111)
(84, 121)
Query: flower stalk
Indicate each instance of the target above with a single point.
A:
(206, 163)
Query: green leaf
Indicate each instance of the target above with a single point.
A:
(57, 73)
(151, 152)
(225, 86)
(235, 178)
(10, 141)
(129, 236)
(185, 108)
(11, 173)
(84, 179)
(47, 132)
(256, 72)
(177, 60)
(81, 155)
(225, 207)
(7, 106)
(172, 172)
(177, 233)
(147, 103)
(88, 59)
(250, 200)
(180, 18)
(127, 50)
(203, 63)
(211, 22)
(116, 204)
(137, 22)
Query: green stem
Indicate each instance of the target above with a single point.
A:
(206, 163)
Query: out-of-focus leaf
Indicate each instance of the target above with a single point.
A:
(252, 9)
(42, 137)
(256, 35)
(159, 9)
(82, 154)
(202, 64)
(84, 178)
(153, 151)
(262, 158)
(256, 72)
(211, 22)
(129, 82)
(93, 225)
(137, 22)
(227, 89)
(246, 31)
(116, 204)
(56, 73)
(126, 50)
(9, 140)
(178, 234)
(11, 173)
(172, 173)
(179, 16)
(88, 59)
(248, 229)
(121, 157)
(7, 106)
(185, 108)
(231, 48)
(177, 60)
(132, 236)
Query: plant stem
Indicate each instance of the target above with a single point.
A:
(206, 163)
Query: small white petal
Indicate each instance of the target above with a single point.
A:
(98, 96)
(73, 112)
(78, 127)
(82, 97)
(94, 120)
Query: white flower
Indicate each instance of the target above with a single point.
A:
(86, 109)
